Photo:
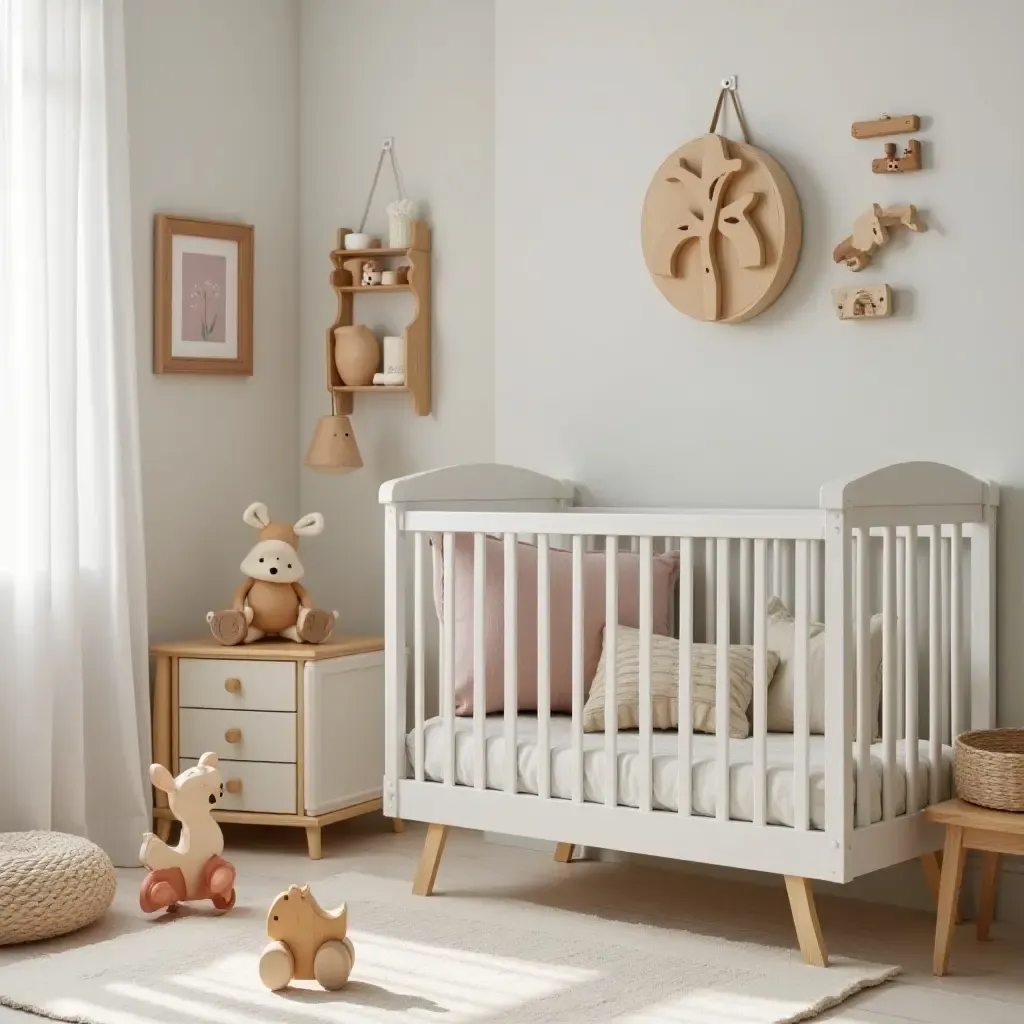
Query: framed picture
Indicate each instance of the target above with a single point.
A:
(202, 301)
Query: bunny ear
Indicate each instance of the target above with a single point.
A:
(256, 516)
(309, 525)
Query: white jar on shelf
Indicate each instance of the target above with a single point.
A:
(401, 214)
(394, 356)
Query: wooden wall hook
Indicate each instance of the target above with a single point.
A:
(870, 231)
(909, 160)
(872, 302)
(885, 125)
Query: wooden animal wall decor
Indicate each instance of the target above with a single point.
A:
(721, 229)
(909, 160)
(885, 125)
(870, 231)
(872, 302)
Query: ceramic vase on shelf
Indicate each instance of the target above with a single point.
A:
(356, 355)
(401, 214)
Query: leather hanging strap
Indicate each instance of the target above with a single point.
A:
(736, 106)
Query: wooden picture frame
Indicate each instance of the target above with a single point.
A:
(202, 296)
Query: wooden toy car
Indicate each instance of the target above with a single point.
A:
(309, 942)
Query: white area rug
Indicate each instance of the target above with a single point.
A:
(449, 959)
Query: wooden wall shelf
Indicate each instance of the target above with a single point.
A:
(345, 278)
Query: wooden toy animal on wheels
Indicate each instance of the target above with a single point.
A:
(309, 942)
(194, 869)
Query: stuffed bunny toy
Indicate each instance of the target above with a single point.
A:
(270, 601)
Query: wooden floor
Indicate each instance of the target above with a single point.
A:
(985, 986)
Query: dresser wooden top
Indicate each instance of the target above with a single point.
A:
(269, 650)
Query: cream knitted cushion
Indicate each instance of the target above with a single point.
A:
(50, 884)
(665, 684)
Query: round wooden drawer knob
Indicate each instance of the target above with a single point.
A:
(233, 736)
(233, 786)
(233, 685)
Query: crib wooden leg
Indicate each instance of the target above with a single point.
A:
(430, 860)
(931, 863)
(805, 918)
(563, 853)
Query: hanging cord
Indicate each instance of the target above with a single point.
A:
(733, 95)
(388, 149)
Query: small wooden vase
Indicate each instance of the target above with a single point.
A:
(356, 355)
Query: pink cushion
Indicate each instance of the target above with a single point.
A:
(665, 570)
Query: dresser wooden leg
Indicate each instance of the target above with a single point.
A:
(163, 828)
(563, 852)
(430, 860)
(397, 825)
(314, 841)
(805, 918)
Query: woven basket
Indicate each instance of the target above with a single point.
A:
(990, 768)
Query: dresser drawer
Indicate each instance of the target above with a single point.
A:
(258, 786)
(241, 685)
(237, 735)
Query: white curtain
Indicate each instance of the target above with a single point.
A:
(74, 693)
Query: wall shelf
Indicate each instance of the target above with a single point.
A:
(346, 273)
(374, 288)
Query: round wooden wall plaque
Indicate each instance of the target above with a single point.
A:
(721, 229)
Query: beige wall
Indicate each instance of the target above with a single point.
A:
(423, 73)
(213, 122)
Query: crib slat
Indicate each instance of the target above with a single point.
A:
(777, 569)
(889, 651)
(956, 698)
(511, 665)
(685, 729)
(448, 660)
(746, 593)
(479, 662)
(646, 631)
(901, 630)
(577, 668)
(543, 668)
(722, 701)
(801, 709)
(910, 668)
(760, 683)
(709, 590)
(786, 592)
(817, 581)
(417, 655)
(934, 663)
(611, 649)
(945, 607)
(864, 704)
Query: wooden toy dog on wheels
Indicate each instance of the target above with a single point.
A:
(194, 869)
(309, 942)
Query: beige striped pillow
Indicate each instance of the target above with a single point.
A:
(665, 684)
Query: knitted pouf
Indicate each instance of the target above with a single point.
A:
(50, 884)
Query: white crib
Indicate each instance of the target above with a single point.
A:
(914, 541)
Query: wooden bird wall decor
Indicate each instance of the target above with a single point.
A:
(721, 229)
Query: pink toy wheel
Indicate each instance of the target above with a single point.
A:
(222, 904)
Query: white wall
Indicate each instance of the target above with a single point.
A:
(213, 121)
(599, 379)
(423, 73)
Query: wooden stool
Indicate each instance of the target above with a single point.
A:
(970, 828)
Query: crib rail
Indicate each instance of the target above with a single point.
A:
(907, 656)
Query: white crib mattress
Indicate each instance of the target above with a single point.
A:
(780, 758)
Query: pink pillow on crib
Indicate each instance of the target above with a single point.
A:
(665, 571)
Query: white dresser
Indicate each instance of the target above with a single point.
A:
(298, 728)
